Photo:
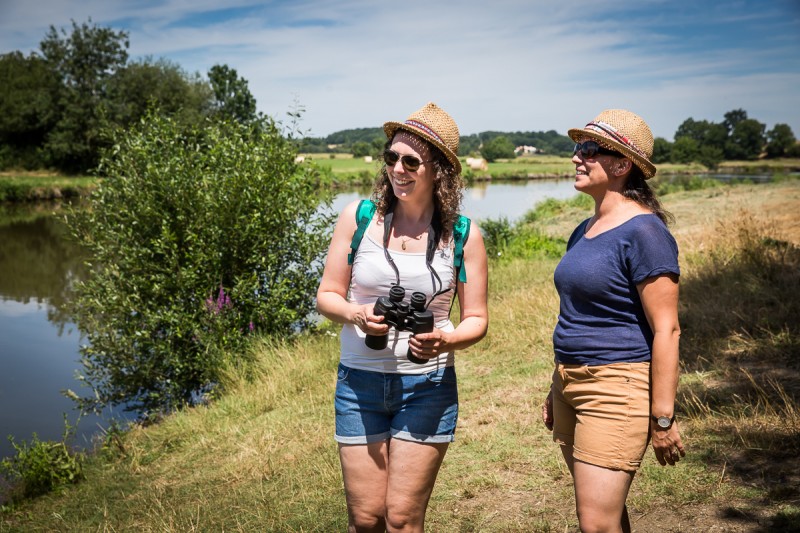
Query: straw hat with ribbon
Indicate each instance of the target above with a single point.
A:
(435, 126)
(624, 132)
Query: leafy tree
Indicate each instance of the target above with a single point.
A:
(198, 236)
(780, 140)
(232, 97)
(704, 132)
(734, 117)
(662, 150)
(156, 83)
(710, 156)
(28, 93)
(746, 140)
(83, 60)
(498, 148)
(685, 150)
(360, 149)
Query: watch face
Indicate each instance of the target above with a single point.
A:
(664, 422)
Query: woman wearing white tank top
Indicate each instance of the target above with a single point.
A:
(396, 395)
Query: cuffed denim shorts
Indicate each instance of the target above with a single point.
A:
(374, 406)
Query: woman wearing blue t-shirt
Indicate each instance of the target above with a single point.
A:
(616, 340)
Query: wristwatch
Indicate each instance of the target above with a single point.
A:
(663, 422)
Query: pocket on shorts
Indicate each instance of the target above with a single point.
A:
(442, 375)
(342, 373)
(614, 372)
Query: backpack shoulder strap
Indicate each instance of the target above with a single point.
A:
(366, 208)
(460, 236)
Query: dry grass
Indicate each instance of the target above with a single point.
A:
(262, 457)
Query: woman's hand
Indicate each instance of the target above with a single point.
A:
(429, 345)
(667, 444)
(547, 411)
(367, 321)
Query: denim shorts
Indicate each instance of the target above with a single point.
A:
(374, 406)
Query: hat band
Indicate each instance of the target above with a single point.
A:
(426, 129)
(608, 129)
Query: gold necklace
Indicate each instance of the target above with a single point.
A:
(404, 241)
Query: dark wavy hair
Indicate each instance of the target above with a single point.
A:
(448, 191)
(637, 189)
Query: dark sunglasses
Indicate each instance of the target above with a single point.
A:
(410, 163)
(589, 149)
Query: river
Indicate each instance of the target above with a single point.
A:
(39, 345)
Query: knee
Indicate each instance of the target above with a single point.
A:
(403, 517)
(365, 521)
(595, 522)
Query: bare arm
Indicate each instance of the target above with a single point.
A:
(332, 293)
(659, 297)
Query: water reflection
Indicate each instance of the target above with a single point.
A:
(38, 343)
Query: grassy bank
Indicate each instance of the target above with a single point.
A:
(36, 187)
(262, 457)
(348, 171)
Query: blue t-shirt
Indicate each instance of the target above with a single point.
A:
(601, 319)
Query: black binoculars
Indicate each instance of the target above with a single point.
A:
(402, 317)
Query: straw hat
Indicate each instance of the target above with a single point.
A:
(624, 132)
(435, 126)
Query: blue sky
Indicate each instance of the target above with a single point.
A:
(506, 65)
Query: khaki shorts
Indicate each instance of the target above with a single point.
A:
(603, 412)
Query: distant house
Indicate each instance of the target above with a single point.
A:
(525, 149)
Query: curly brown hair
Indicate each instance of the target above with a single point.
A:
(448, 191)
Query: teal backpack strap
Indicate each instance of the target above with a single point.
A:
(366, 208)
(460, 236)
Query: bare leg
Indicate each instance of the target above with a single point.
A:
(600, 495)
(413, 468)
(366, 473)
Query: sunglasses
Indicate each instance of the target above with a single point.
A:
(589, 149)
(410, 163)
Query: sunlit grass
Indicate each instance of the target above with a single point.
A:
(262, 456)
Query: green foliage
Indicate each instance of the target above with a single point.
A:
(232, 97)
(662, 151)
(198, 236)
(780, 140)
(28, 97)
(38, 467)
(160, 84)
(498, 148)
(525, 239)
(682, 182)
(685, 150)
(83, 61)
(360, 149)
(746, 140)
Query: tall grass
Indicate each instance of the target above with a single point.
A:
(262, 457)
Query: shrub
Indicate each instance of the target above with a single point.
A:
(199, 236)
(38, 467)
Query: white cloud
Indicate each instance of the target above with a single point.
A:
(504, 65)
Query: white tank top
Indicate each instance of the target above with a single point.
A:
(371, 277)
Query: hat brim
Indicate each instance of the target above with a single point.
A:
(647, 167)
(390, 129)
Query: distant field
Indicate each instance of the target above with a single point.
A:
(347, 168)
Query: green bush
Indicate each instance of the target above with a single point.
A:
(38, 467)
(504, 240)
(199, 236)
